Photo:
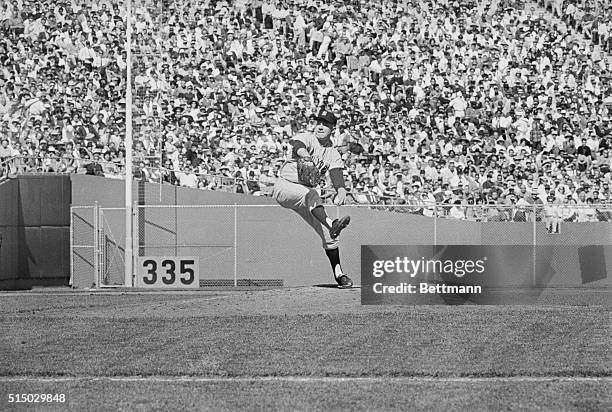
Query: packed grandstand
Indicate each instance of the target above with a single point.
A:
(439, 102)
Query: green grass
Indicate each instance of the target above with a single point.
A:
(310, 333)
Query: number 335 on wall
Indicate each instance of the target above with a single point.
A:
(167, 272)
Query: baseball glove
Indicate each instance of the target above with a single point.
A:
(308, 173)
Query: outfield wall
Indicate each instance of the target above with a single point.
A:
(274, 243)
(86, 190)
(34, 231)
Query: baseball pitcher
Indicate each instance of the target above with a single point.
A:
(313, 155)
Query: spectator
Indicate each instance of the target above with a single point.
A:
(94, 167)
(584, 209)
(457, 211)
(552, 217)
(475, 93)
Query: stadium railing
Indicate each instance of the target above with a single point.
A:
(153, 173)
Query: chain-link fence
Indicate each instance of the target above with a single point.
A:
(111, 243)
(206, 233)
(97, 246)
(269, 245)
(83, 246)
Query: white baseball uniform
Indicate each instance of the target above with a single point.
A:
(291, 194)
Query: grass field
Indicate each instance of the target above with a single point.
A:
(306, 348)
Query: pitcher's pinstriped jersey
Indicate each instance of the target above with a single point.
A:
(325, 158)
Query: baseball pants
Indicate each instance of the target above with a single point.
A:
(302, 200)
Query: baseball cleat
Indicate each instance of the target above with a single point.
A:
(338, 225)
(344, 282)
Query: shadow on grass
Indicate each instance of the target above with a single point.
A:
(334, 286)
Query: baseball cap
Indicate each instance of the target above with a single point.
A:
(328, 118)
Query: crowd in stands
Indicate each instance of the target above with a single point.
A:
(455, 102)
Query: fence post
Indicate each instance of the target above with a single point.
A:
(435, 219)
(96, 239)
(136, 210)
(71, 234)
(103, 245)
(534, 243)
(235, 245)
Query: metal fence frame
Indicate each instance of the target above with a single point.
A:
(74, 246)
(99, 238)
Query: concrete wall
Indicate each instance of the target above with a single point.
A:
(34, 226)
(274, 243)
(111, 193)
